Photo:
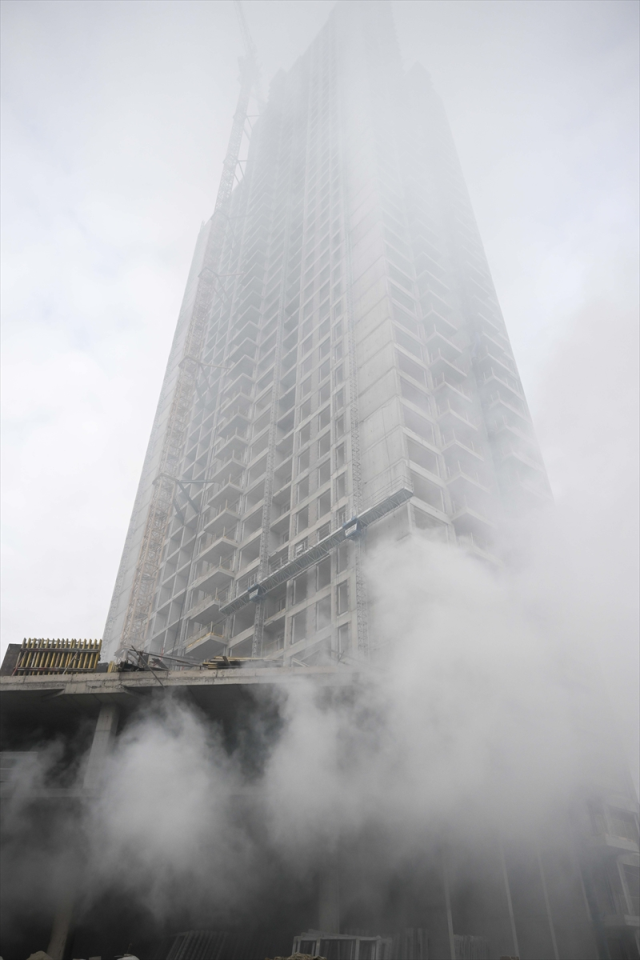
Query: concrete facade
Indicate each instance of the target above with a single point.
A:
(354, 346)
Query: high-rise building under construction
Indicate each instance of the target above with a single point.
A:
(340, 361)
(340, 374)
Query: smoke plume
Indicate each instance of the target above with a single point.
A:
(476, 717)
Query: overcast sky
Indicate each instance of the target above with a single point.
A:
(115, 120)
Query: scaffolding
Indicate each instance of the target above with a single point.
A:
(38, 656)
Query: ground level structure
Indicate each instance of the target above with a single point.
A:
(491, 900)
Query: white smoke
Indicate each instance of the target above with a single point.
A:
(166, 823)
(470, 708)
(472, 719)
(480, 716)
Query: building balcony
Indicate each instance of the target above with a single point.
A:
(241, 386)
(496, 356)
(491, 336)
(452, 442)
(468, 518)
(434, 305)
(445, 370)
(217, 578)
(246, 348)
(225, 515)
(248, 331)
(208, 644)
(504, 384)
(238, 421)
(248, 310)
(436, 321)
(444, 388)
(450, 416)
(237, 443)
(508, 407)
(457, 477)
(265, 371)
(207, 610)
(244, 365)
(231, 465)
(228, 490)
(484, 309)
(440, 345)
(241, 403)
(250, 294)
(222, 545)
(234, 401)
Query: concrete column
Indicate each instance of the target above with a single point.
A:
(447, 902)
(545, 892)
(103, 737)
(61, 927)
(436, 906)
(329, 899)
(507, 891)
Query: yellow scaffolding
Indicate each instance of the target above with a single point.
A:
(39, 656)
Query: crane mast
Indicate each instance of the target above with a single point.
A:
(246, 36)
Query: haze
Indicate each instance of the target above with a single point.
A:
(115, 119)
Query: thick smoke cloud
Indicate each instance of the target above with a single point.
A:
(476, 719)
(165, 820)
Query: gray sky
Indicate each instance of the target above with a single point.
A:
(115, 117)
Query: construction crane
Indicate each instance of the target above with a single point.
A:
(172, 441)
(249, 45)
